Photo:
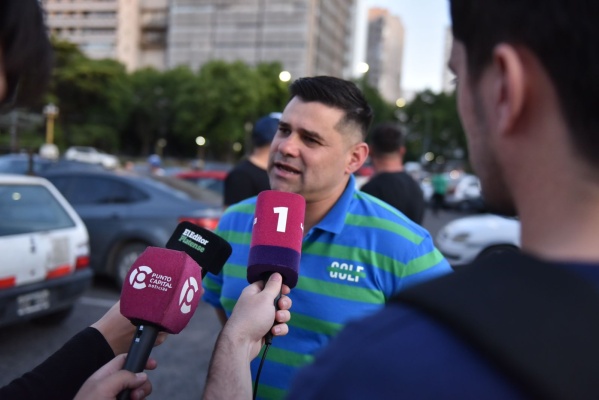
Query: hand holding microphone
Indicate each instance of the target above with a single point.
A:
(163, 288)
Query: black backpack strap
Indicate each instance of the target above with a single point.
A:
(537, 322)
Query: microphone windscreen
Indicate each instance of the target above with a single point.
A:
(277, 235)
(163, 288)
(206, 248)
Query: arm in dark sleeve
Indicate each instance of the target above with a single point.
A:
(61, 375)
(238, 186)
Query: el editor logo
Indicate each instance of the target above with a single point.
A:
(190, 288)
(138, 276)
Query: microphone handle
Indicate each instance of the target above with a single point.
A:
(268, 337)
(139, 352)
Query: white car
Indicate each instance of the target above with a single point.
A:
(466, 190)
(44, 244)
(465, 239)
(91, 155)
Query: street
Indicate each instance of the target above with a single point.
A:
(182, 360)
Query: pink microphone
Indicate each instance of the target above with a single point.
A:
(277, 235)
(161, 293)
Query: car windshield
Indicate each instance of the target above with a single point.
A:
(186, 190)
(30, 208)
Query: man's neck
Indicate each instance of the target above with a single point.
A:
(317, 209)
(387, 164)
(259, 157)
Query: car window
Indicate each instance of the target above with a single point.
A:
(30, 208)
(97, 190)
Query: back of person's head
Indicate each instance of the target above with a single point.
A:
(386, 138)
(337, 93)
(562, 34)
(265, 129)
(26, 54)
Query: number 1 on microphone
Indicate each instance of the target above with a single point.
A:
(282, 222)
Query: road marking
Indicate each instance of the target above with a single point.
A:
(93, 301)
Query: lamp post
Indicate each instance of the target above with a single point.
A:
(51, 112)
(201, 142)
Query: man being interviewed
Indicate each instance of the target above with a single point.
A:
(357, 252)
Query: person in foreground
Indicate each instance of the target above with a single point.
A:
(512, 326)
(391, 183)
(357, 251)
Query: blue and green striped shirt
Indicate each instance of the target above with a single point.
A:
(352, 262)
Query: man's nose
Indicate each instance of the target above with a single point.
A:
(289, 146)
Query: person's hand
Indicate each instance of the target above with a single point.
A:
(118, 330)
(107, 382)
(254, 314)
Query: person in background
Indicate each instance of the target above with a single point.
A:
(391, 183)
(439, 182)
(249, 176)
(155, 165)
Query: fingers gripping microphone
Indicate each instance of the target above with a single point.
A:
(277, 235)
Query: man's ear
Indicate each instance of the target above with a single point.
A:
(357, 157)
(509, 86)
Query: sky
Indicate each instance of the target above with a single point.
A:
(425, 23)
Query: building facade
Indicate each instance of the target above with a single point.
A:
(308, 37)
(384, 53)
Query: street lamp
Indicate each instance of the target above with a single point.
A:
(285, 76)
(51, 112)
(201, 142)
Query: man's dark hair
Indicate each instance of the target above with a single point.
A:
(386, 138)
(562, 34)
(26, 51)
(337, 93)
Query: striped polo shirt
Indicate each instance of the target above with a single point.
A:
(360, 254)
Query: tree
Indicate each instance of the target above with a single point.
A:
(94, 97)
(434, 126)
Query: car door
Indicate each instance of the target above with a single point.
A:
(104, 203)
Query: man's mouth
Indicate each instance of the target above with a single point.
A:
(287, 168)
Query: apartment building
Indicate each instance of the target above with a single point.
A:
(309, 37)
(131, 31)
(384, 53)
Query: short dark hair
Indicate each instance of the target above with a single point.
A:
(562, 34)
(26, 51)
(337, 93)
(386, 138)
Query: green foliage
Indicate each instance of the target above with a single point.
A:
(90, 92)
(433, 125)
(103, 105)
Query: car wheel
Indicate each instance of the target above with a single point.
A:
(54, 318)
(495, 250)
(125, 257)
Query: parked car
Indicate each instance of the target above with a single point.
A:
(126, 213)
(91, 155)
(465, 195)
(465, 239)
(23, 163)
(44, 266)
(33, 164)
(213, 180)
